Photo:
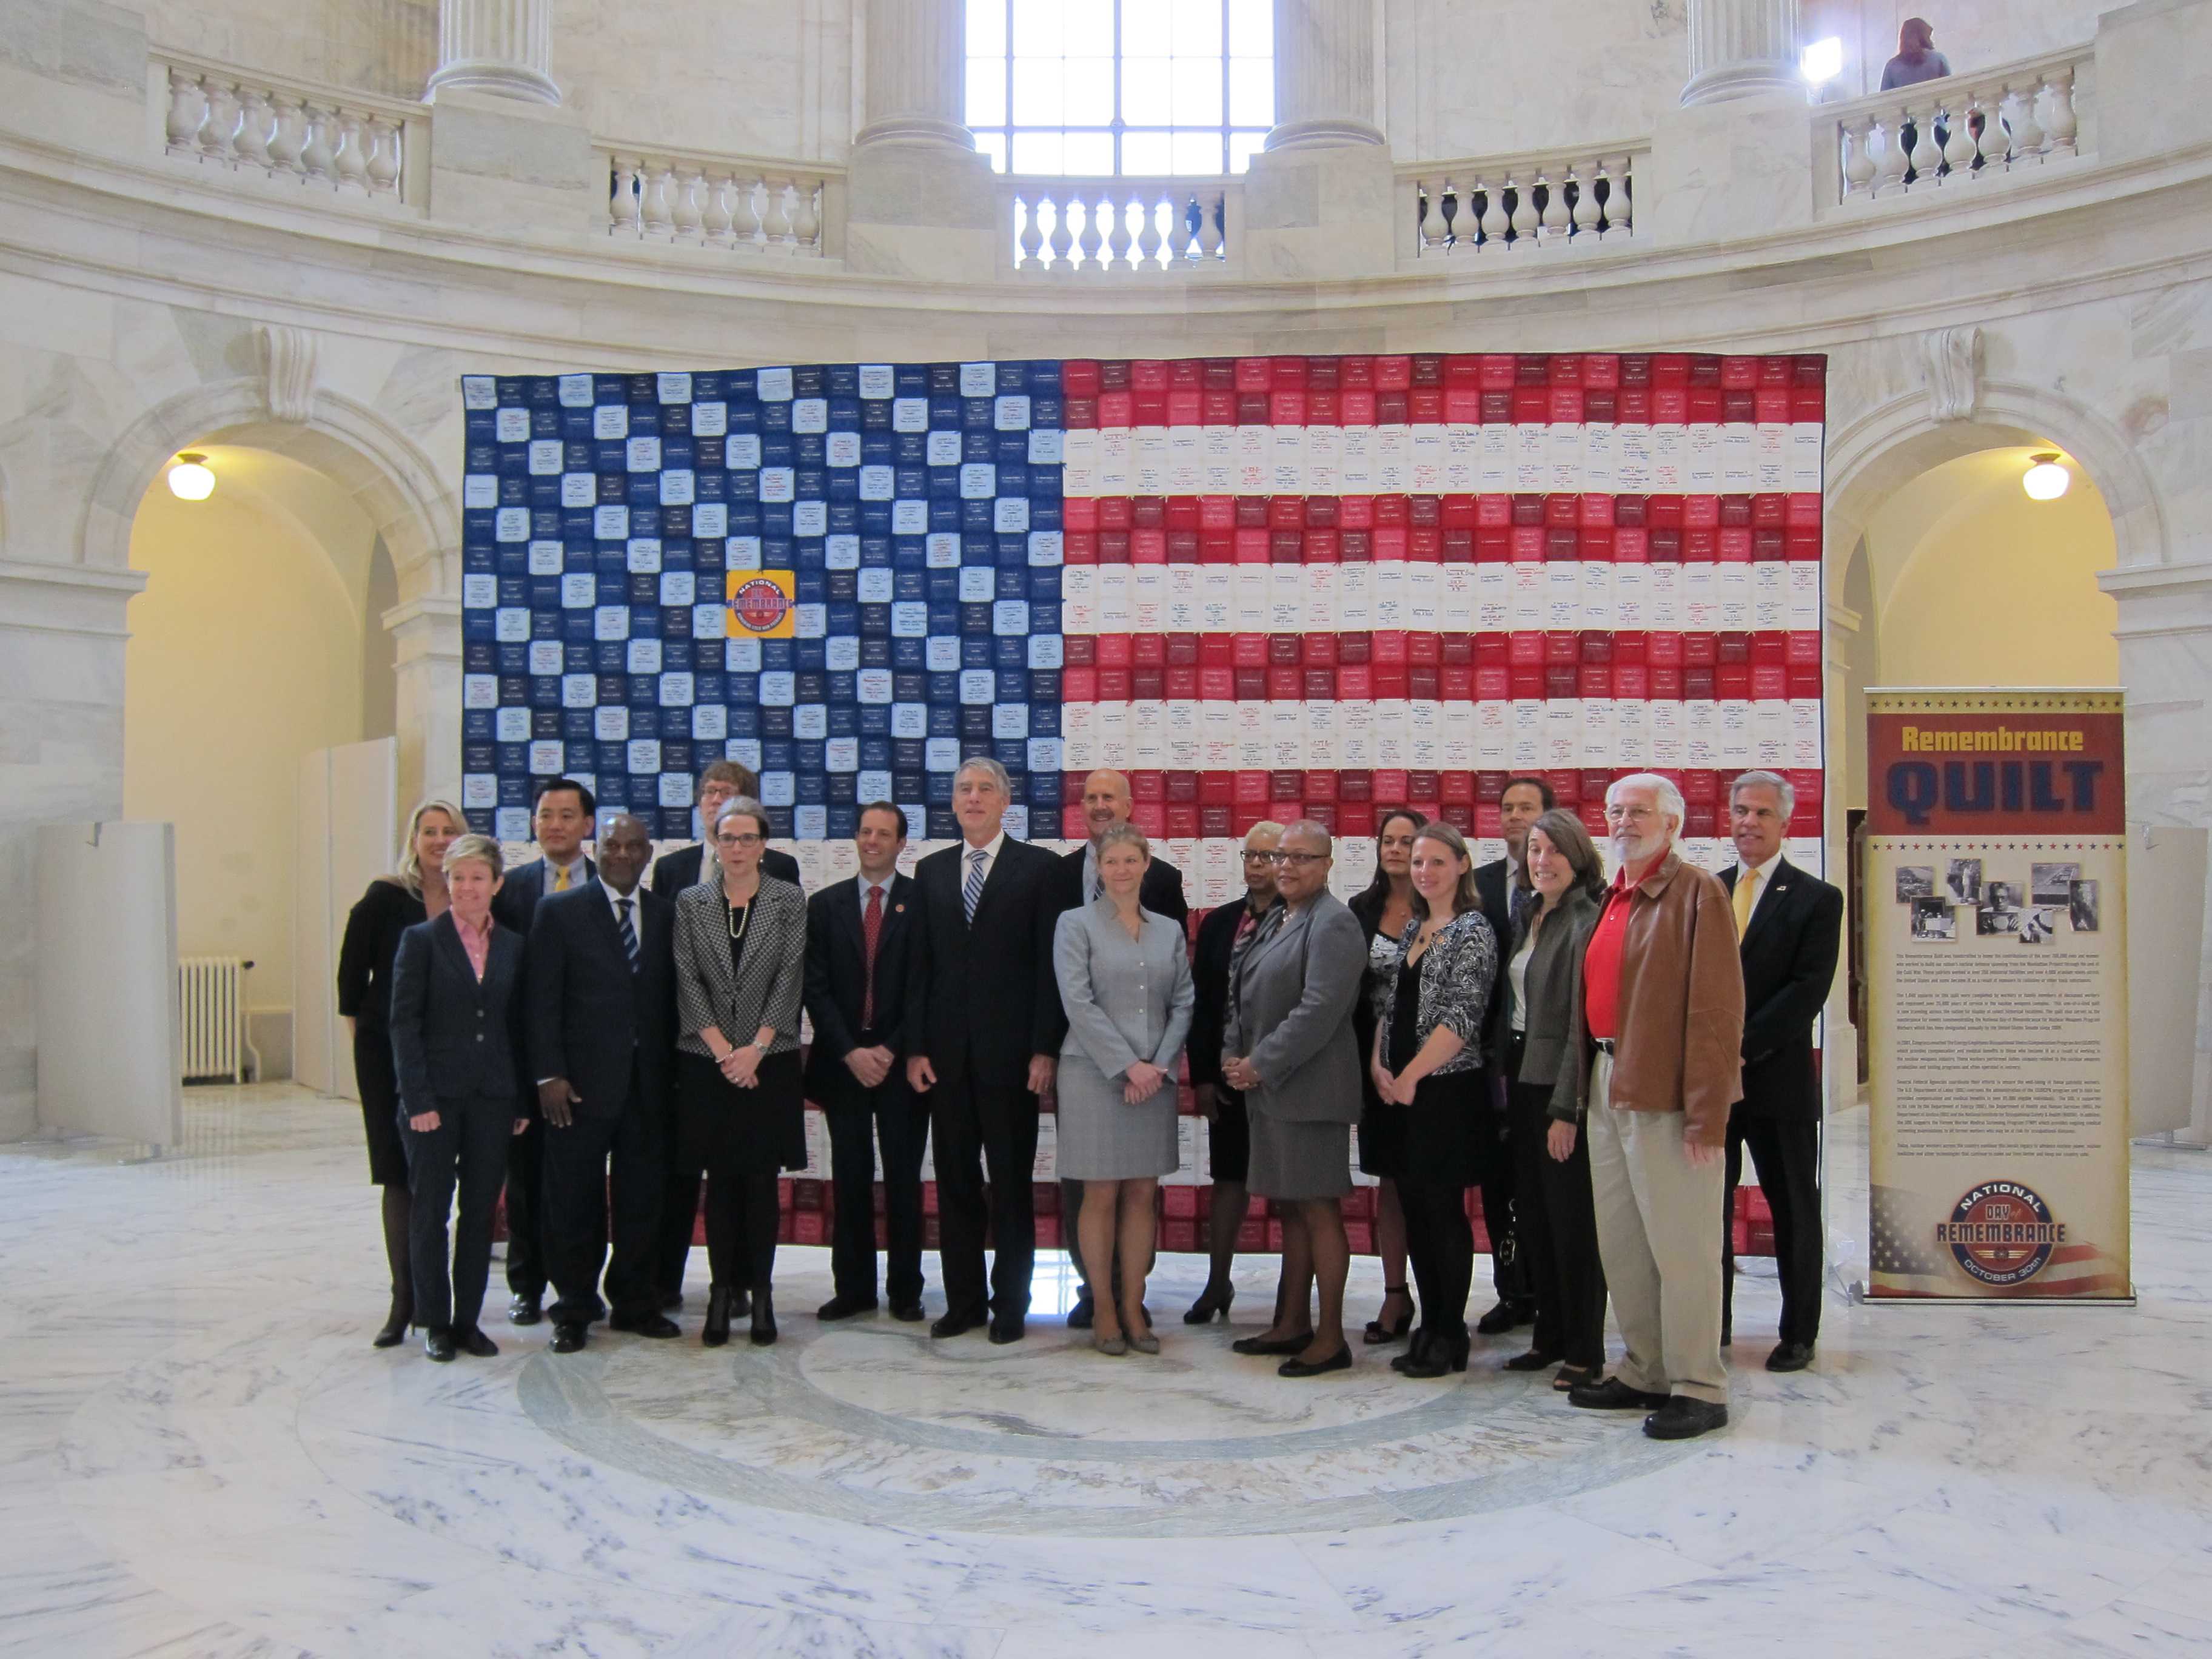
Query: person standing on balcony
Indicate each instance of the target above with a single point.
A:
(1917, 58)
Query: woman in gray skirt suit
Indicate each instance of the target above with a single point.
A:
(1125, 981)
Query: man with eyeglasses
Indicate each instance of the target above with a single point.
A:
(1657, 1027)
(1223, 936)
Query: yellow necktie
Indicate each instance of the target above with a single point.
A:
(1746, 895)
(560, 885)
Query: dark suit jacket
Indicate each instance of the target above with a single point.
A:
(1788, 962)
(981, 1000)
(454, 1036)
(588, 1014)
(514, 907)
(1209, 973)
(837, 979)
(674, 872)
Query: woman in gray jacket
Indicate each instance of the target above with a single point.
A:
(1125, 981)
(1553, 1204)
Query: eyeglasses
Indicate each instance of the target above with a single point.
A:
(741, 840)
(1299, 859)
(1254, 857)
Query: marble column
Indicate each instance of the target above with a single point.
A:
(916, 74)
(1741, 49)
(500, 46)
(61, 639)
(426, 636)
(1324, 74)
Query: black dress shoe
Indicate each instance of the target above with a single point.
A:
(1012, 1328)
(1684, 1419)
(956, 1324)
(1210, 1302)
(524, 1309)
(716, 1331)
(671, 1302)
(1417, 1351)
(438, 1343)
(470, 1339)
(1339, 1361)
(1790, 1357)
(395, 1327)
(1443, 1356)
(1614, 1395)
(656, 1325)
(569, 1336)
(1534, 1360)
(845, 1307)
(763, 1332)
(1504, 1317)
(1276, 1345)
(1082, 1315)
(909, 1313)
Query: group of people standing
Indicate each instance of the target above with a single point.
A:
(1578, 1050)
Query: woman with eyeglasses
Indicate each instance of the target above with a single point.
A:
(1430, 1002)
(740, 950)
(1383, 907)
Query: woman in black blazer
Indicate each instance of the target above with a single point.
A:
(392, 904)
(1551, 1201)
(457, 1044)
(740, 963)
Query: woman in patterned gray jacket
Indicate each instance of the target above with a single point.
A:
(740, 951)
(1430, 1000)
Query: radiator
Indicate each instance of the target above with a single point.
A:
(211, 1015)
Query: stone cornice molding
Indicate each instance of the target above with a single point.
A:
(67, 598)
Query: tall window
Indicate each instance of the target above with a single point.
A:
(1104, 87)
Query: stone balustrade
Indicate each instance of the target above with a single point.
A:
(1950, 133)
(1571, 198)
(720, 201)
(261, 126)
(1100, 226)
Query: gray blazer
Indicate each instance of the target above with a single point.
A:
(766, 989)
(1127, 999)
(1292, 1015)
(1552, 965)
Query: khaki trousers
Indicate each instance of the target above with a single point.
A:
(1659, 1235)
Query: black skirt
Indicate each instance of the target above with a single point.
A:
(755, 1131)
(376, 1075)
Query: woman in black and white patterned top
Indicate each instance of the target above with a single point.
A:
(1429, 1000)
(740, 952)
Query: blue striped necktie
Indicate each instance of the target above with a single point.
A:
(972, 890)
(628, 933)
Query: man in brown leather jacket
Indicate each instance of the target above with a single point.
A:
(1658, 1034)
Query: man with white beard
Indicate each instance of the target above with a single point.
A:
(1657, 1032)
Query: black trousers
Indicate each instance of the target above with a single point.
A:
(1785, 1150)
(1559, 1234)
(1440, 1250)
(679, 1207)
(1509, 1271)
(977, 1126)
(898, 1124)
(585, 1208)
(743, 1208)
(465, 1153)
(526, 1212)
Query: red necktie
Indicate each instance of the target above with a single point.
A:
(871, 930)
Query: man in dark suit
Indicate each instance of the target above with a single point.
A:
(1503, 886)
(561, 822)
(1106, 802)
(601, 1019)
(980, 1041)
(856, 993)
(721, 782)
(1788, 925)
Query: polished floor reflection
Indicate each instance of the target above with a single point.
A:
(204, 1456)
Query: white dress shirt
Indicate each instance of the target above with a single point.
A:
(991, 849)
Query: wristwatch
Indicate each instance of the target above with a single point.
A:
(759, 1048)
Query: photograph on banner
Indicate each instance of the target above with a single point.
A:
(1998, 1016)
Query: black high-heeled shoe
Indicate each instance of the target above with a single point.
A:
(395, 1327)
(716, 1331)
(763, 1333)
(1210, 1302)
(1439, 1356)
(1377, 1332)
(1417, 1352)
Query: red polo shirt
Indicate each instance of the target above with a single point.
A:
(1601, 963)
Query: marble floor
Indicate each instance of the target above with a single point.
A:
(203, 1455)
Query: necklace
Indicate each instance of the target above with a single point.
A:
(740, 917)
